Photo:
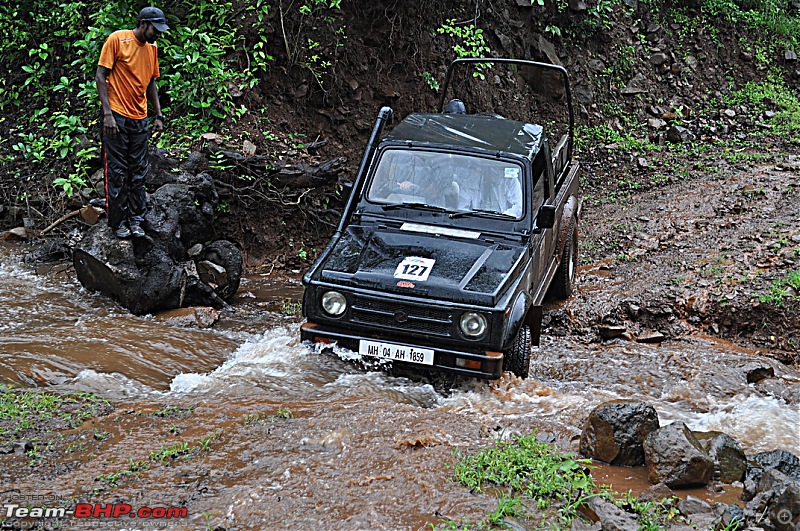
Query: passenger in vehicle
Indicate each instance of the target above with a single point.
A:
(506, 192)
(492, 192)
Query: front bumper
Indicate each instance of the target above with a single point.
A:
(487, 365)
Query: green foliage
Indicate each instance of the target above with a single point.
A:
(301, 33)
(173, 451)
(469, 43)
(195, 63)
(525, 465)
(769, 94)
(201, 62)
(769, 15)
(534, 478)
(782, 289)
(600, 15)
(588, 136)
(430, 81)
(22, 410)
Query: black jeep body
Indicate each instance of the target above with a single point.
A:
(457, 226)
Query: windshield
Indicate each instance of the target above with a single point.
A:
(454, 182)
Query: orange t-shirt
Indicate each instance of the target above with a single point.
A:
(133, 65)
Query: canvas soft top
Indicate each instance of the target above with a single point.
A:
(492, 133)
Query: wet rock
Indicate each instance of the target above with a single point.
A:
(781, 389)
(656, 493)
(658, 59)
(610, 517)
(611, 331)
(755, 372)
(777, 497)
(692, 505)
(704, 521)
(579, 524)
(730, 461)
(194, 162)
(614, 432)
(637, 85)
(22, 447)
(675, 457)
(785, 512)
(679, 135)
(156, 272)
(650, 337)
(780, 460)
(732, 516)
(196, 317)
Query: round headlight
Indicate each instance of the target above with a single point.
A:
(334, 303)
(473, 324)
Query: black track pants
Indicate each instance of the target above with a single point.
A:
(125, 166)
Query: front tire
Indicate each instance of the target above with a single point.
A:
(517, 359)
(564, 281)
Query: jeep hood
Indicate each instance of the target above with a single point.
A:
(422, 261)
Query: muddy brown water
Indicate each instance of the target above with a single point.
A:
(366, 449)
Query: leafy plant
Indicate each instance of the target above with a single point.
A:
(469, 43)
(301, 38)
(526, 465)
(430, 81)
(782, 289)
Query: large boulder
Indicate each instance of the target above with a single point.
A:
(778, 498)
(171, 266)
(759, 464)
(675, 457)
(730, 461)
(615, 431)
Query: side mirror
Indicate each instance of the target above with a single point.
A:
(546, 218)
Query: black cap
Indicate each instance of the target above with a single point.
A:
(154, 16)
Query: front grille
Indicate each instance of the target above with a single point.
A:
(401, 315)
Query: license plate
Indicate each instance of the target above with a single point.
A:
(390, 351)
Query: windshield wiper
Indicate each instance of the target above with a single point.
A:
(420, 206)
(462, 213)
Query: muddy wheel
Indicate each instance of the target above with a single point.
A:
(517, 359)
(221, 268)
(564, 281)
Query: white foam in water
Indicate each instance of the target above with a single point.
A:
(744, 419)
(109, 385)
(399, 389)
(268, 355)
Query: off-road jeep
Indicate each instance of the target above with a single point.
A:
(456, 228)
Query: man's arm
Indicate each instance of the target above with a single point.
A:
(109, 124)
(152, 95)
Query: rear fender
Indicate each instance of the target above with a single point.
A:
(570, 209)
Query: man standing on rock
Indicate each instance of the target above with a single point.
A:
(126, 80)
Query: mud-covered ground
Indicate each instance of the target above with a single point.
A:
(716, 252)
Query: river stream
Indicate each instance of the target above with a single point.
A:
(55, 334)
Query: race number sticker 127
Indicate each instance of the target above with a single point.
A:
(414, 268)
